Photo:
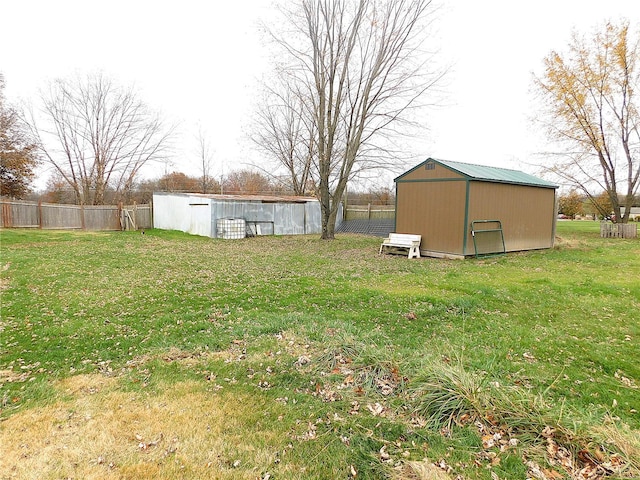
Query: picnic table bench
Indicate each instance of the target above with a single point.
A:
(403, 241)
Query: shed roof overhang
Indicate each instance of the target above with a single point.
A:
(245, 198)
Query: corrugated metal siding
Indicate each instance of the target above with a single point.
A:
(273, 218)
(527, 213)
(231, 209)
(289, 219)
(435, 210)
(313, 217)
(198, 214)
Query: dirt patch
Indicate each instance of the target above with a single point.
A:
(9, 376)
(98, 431)
(424, 470)
(4, 282)
(183, 357)
(566, 243)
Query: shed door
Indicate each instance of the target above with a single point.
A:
(200, 219)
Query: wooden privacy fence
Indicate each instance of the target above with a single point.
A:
(618, 230)
(25, 214)
(369, 212)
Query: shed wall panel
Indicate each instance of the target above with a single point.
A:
(198, 214)
(171, 212)
(225, 209)
(313, 217)
(527, 213)
(438, 172)
(258, 212)
(280, 218)
(200, 219)
(435, 210)
(289, 219)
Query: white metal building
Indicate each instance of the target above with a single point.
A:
(235, 216)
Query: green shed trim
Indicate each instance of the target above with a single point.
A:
(483, 173)
(395, 216)
(429, 180)
(466, 217)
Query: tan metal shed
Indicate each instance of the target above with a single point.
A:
(461, 209)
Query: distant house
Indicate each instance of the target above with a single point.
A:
(634, 213)
(236, 216)
(461, 209)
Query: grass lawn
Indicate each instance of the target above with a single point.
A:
(167, 356)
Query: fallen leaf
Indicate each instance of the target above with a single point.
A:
(464, 418)
(384, 455)
(585, 457)
(488, 441)
(552, 474)
(302, 360)
(548, 432)
(376, 409)
(552, 448)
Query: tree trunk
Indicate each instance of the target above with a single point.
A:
(330, 209)
(328, 232)
(329, 221)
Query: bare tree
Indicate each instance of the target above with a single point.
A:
(205, 162)
(286, 134)
(97, 136)
(591, 109)
(357, 68)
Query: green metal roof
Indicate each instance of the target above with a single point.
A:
(490, 174)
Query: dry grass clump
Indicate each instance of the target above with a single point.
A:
(4, 282)
(445, 393)
(508, 417)
(623, 439)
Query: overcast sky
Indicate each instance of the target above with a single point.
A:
(199, 63)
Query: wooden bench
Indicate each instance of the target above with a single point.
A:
(405, 241)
